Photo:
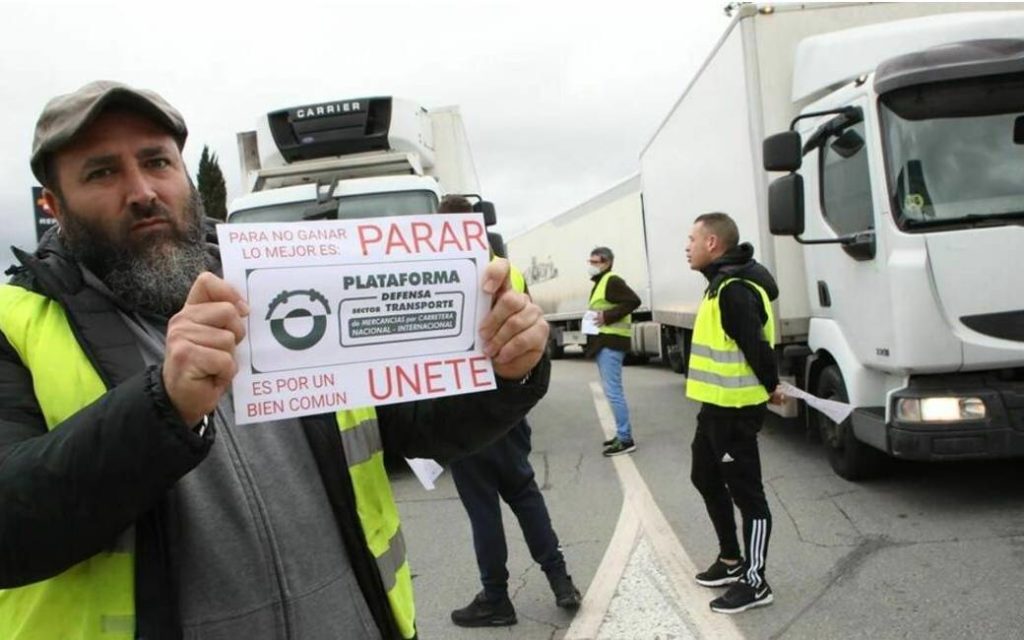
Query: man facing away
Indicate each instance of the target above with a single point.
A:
(121, 514)
(732, 372)
(503, 469)
(611, 302)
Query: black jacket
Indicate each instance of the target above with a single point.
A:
(743, 314)
(67, 494)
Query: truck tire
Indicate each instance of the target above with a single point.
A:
(555, 351)
(676, 350)
(849, 458)
(633, 359)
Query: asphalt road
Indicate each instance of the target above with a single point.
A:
(930, 551)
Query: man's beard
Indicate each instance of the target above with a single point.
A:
(152, 275)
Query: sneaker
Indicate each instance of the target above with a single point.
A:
(618, 447)
(567, 596)
(720, 574)
(741, 596)
(610, 441)
(482, 612)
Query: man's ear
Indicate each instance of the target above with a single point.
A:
(52, 203)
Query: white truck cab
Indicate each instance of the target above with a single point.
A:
(905, 193)
(354, 158)
(356, 198)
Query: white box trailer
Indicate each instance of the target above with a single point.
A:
(553, 258)
(876, 314)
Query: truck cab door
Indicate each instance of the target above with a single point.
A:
(844, 197)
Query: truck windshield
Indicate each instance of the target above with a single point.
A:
(954, 152)
(364, 205)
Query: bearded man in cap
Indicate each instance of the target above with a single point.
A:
(121, 514)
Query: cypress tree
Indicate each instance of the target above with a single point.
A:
(210, 183)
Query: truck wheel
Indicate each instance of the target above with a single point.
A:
(633, 358)
(555, 351)
(850, 458)
(677, 350)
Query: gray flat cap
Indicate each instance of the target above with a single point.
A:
(65, 116)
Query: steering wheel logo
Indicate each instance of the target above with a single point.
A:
(298, 319)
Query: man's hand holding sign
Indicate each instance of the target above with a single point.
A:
(514, 332)
(201, 339)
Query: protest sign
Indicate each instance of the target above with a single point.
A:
(354, 313)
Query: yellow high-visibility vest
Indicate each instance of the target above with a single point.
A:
(598, 302)
(719, 373)
(517, 279)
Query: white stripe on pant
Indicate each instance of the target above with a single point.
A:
(755, 551)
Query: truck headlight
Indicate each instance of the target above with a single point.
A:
(939, 409)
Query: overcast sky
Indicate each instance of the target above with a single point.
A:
(558, 97)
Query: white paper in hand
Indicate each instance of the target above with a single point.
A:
(836, 411)
(589, 323)
(426, 470)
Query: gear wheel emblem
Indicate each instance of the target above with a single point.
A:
(298, 319)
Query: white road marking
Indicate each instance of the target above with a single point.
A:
(641, 521)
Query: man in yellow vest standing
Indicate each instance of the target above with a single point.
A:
(732, 372)
(611, 302)
(131, 503)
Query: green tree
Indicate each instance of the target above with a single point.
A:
(210, 183)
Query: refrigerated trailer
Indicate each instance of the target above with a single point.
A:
(355, 158)
(906, 159)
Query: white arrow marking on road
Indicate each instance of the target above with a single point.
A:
(641, 523)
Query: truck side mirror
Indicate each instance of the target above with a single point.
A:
(487, 208)
(497, 244)
(786, 206)
(1018, 130)
(782, 151)
(848, 144)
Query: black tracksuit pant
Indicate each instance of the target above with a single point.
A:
(726, 470)
(503, 469)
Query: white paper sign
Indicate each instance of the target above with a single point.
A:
(427, 471)
(589, 324)
(355, 313)
(836, 411)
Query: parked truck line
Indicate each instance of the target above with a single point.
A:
(896, 307)
(914, 322)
